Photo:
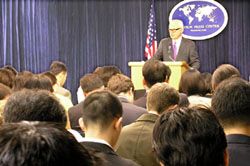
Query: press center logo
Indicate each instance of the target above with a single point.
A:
(202, 19)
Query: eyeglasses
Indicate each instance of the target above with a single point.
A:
(175, 29)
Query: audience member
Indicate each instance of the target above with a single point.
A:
(155, 71)
(223, 72)
(193, 86)
(34, 143)
(59, 69)
(102, 123)
(21, 79)
(12, 71)
(207, 77)
(34, 106)
(190, 136)
(106, 72)
(65, 101)
(6, 77)
(135, 140)
(123, 87)
(231, 104)
(89, 84)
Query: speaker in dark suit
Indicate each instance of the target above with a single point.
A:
(177, 48)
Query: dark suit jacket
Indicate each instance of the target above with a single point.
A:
(239, 150)
(75, 113)
(135, 141)
(108, 154)
(130, 111)
(141, 102)
(187, 52)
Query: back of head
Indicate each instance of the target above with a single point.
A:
(223, 72)
(189, 137)
(11, 69)
(120, 83)
(207, 77)
(25, 144)
(106, 72)
(50, 76)
(34, 106)
(21, 79)
(100, 109)
(155, 71)
(5, 91)
(6, 77)
(231, 102)
(38, 82)
(58, 67)
(191, 83)
(161, 97)
(90, 82)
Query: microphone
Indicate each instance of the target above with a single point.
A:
(171, 58)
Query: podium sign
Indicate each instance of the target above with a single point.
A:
(177, 68)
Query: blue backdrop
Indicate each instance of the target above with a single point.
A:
(89, 33)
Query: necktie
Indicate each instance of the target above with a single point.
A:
(174, 50)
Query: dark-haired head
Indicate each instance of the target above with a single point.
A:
(102, 112)
(190, 136)
(91, 82)
(191, 83)
(35, 143)
(106, 72)
(162, 97)
(223, 72)
(231, 102)
(155, 71)
(32, 105)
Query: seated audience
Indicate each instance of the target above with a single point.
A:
(123, 87)
(190, 137)
(59, 69)
(231, 104)
(193, 86)
(135, 140)
(102, 123)
(104, 73)
(223, 72)
(155, 71)
(89, 84)
(39, 144)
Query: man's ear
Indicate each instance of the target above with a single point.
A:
(118, 123)
(226, 157)
(81, 124)
(144, 83)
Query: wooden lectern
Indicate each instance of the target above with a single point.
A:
(177, 68)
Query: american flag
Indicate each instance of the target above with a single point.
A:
(151, 43)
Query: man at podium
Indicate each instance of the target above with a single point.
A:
(177, 48)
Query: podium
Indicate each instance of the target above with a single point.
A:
(177, 68)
